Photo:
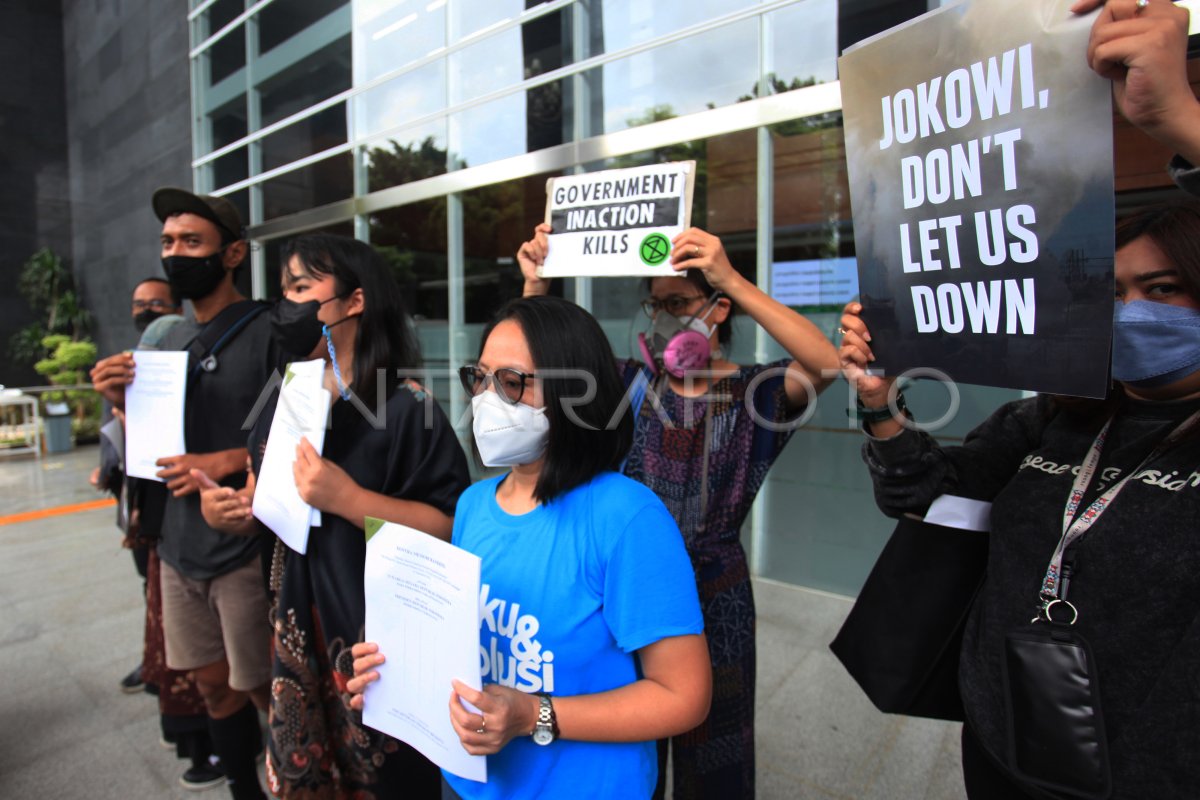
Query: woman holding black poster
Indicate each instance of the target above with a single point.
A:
(1094, 509)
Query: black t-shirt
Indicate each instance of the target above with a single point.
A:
(1135, 582)
(218, 416)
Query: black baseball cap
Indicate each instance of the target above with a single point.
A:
(217, 210)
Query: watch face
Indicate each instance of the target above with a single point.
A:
(543, 736)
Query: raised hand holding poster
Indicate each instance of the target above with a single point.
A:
(979, 150)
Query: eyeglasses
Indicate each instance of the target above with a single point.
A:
(674, 304)
(157, 305)
(508, 383)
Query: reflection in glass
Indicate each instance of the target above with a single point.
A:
(486, 66)
(394, 162)
(388, 35)
(703, 71)
(326, 181)
(497, 219)
(492, 131)
(546, 46)
(313, 134)
(401, 100)
(630, 22)
(229, 54)
(228, 125)
(279, 22)
(412, 238)
(812, 197)
(471, 16)
(319, 76)
(805, 47)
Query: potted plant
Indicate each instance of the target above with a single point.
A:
(59, 347)
(66, 365)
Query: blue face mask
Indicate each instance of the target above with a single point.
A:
(1154, 344)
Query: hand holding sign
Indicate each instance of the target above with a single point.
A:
(530, 257)
(699, 249)
(1144, 53)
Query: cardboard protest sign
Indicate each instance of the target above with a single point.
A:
(979, 149)
(617, 222)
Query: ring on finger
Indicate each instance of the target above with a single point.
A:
(1140, 5)
(482, 725)
(842, 331)
(695, 250)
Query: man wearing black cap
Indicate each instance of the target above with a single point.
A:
(214, 601)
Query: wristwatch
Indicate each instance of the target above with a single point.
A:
(545, 730)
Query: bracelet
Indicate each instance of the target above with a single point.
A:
(862, 414)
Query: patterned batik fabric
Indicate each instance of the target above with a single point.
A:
(178, 695)
(717, 758)
(319, 747)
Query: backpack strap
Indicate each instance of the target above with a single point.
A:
(232, 320)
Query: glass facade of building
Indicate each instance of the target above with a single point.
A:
(429, 128)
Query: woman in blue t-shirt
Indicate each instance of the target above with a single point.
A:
(591, 641)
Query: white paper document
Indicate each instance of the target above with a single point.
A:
(423, 610)
(300, 412)
(154, 411)
(960, 512)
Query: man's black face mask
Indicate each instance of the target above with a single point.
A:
(193, 278)
(142, 319)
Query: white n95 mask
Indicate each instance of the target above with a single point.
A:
(508, 435)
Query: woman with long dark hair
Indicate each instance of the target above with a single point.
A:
(705, 436)
(388, 453)
(1127, 470)
(591, 646)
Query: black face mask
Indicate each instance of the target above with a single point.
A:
(142, 319)
(193, 278)
(295, 326)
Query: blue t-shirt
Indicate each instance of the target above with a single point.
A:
(569, 592)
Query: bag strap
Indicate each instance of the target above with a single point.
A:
(220, 332)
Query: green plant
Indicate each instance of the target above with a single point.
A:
(66, 365)
(49, 288)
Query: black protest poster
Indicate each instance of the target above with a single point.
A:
(979, 150)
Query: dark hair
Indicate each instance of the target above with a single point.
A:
(385, 338)
(585, 438)
(1175, 229)
(696, 278)
(154, 279)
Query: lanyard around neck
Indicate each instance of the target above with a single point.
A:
(1075, 526)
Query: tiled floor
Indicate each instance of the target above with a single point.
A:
(70, 628)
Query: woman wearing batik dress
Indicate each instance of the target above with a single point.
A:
(399, 461)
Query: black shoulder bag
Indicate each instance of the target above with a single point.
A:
(901, 640)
